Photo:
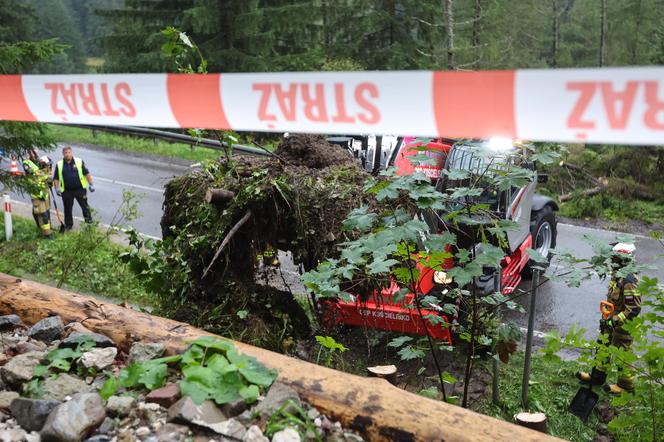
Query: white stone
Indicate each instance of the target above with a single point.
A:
(99, 358)
(254, 434)
(287, 435)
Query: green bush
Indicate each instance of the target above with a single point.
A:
(98, 271)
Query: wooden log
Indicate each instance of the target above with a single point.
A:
(378, 411)
(534, 421)
(387, 372)
(218, 197)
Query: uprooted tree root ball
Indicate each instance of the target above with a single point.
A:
(295, 200)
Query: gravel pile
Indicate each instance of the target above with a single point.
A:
(68, 406)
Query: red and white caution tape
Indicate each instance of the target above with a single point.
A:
(614, 105)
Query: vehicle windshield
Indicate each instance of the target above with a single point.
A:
(481, 165)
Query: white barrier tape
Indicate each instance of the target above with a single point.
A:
(612, 105)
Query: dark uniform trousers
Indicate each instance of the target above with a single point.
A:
(81, 196)
(627, 302)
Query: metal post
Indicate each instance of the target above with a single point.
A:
(529, 338)
(9, 231)
(495, 392)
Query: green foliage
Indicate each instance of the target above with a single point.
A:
(60, 360)
(292, 415)
(395, 240)
(641, 411)
(330, 346)
(210, 369)
(552, 387)
(101, 272)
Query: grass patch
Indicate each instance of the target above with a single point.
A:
(552, 387)
(615, 209)
(100, 272)
(132, 144)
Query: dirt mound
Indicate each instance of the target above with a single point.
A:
(312, 151)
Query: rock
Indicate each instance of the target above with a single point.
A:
(142, 432)
(28, 346)
(352, 437)
(20, 368)
(144, 351)
(126, 435)
(6, 398)
(32, 413)
(107, 426)
(99, 438)
(229, 428)
(172, 433)
(47, 329)
(286, 435)
(99, 358)
(152, 412)
(234, 408)
(186, 411)
(72, 421)
(12, 434)
(9, 322)
(62, 386)
(33, 436)
(101, 341)
(73, 327)
(4, 359)
(120, 406)
(275, 398)
(12, 340)
(254, 434)
(164, 396)
(313, 413)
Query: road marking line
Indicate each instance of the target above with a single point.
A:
(124, 183)
(594, 229)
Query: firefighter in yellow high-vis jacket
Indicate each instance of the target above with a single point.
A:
(38, 174)
(626, 302)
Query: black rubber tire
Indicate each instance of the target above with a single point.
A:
(544, 215)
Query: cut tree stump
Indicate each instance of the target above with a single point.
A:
(378, 411)
(534, 421)
(218, 197)
(387, 372)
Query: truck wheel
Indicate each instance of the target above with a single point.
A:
(544, 230)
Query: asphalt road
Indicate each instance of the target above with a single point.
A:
(115, 172)
(558, 306)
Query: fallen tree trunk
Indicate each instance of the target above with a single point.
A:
(588, 192)
(370, 406)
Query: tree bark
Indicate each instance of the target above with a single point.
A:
(555, 44)
(449, 13)
(477, 28)
(602, 34)
(637, 33)
(376, 410)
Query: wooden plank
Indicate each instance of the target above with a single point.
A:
(373, 407)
